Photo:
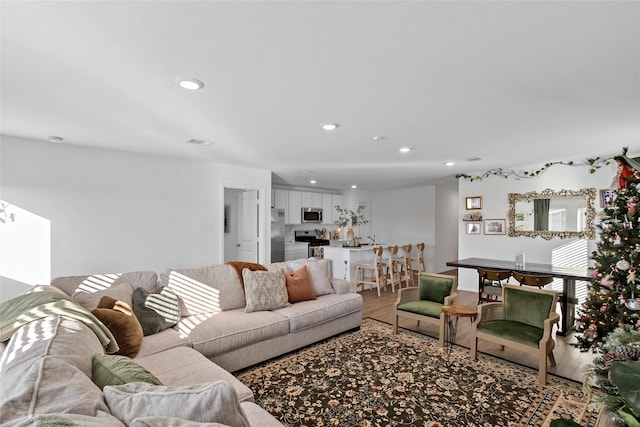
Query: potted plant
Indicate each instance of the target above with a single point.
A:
(617, 373)
(349, 218)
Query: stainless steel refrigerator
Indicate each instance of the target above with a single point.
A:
(277, 235)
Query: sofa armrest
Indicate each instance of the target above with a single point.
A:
(340, 286)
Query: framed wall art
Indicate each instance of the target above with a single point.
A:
(473, 227)
(474, 202)
(607, 197)
(495, 226)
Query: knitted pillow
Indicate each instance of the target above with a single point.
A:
(264, 290)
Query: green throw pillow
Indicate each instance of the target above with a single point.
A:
(435, 289)
(109, 369)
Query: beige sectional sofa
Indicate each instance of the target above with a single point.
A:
(46, 366)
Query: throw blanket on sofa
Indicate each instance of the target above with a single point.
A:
(26, 308)
(238, 266)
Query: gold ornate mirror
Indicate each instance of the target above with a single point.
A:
(548, 214)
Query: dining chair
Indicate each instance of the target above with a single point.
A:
(490, 284)
(523, 320)
(393, 270)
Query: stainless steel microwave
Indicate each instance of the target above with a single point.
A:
(311, 215)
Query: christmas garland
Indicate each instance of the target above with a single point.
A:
(594, 164)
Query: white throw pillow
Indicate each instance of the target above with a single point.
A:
(215, 402)
(319, 275)
(264, 290)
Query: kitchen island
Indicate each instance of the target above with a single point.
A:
(344, 260)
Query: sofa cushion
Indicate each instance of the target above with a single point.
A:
(155, 312)
(299, 287)
(211, 402)
(229, 330)
(425, 308)
(163, 340)
(97, 282)
(90, 300)
(318, 272)
(119, 318)
(184, 366)
(435, 289)
(284, 266)
(513, 331)
(101, 419)
(325, 308)
(29, 353)
(264, 290)
(527, 307)
(116, 370)
(238, 266)
(206, 289)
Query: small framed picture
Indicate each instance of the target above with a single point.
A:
(474, 202)
(474, 227)
(495, 226)
(607, 197)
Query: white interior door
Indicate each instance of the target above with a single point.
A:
(249, 238)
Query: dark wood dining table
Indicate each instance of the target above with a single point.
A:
(569, 275)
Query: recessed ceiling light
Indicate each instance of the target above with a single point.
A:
(313, 181)
(405, 149)
(56, 139)
(189, 83)
(449, 163)
(329, 126)
(354, 186)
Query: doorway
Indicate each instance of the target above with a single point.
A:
(243, 235)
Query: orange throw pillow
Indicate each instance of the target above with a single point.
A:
(299, 286)
(120, 319)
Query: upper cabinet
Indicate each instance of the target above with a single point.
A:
(293, 201)
(295, 207)
(280, 200)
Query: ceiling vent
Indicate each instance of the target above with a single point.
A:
(195, 141)
(474, 159)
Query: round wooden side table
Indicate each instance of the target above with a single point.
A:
(457, 311)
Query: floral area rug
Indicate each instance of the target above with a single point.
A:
(374, 378)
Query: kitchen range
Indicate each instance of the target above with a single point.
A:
(315, 243)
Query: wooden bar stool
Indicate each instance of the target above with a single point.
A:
(372, 274)
(405, 269)
(393, 267)
(490, 284)
(417, 264)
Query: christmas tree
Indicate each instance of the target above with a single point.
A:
(614, 298)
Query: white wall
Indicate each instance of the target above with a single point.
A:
(494, 191)
(111, 211)
(405, 216)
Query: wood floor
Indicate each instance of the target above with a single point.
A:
(569, 360)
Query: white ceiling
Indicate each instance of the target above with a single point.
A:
(511, 82)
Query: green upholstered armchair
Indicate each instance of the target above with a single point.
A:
(523, 320)
(425, 302)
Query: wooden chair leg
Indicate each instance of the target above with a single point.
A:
(552, 359)
(442, 329)
(395, 324)
(474, 348)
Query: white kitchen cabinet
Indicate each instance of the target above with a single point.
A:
(327, 209)
(295, 207)
(280, 200)
(311, 200)
(336, 200)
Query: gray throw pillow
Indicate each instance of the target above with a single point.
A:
(156, 312)
(264, 290)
